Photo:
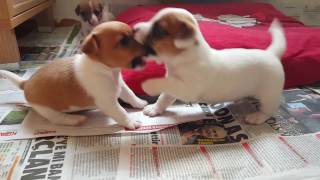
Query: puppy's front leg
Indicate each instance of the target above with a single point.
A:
(163, 102)
(128, 96)
(171, 86)
(112, 108)
(154, 87)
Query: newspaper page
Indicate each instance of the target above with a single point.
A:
(39, 47)
(60, 158)
(181, 151)
(315, 87)
(263, 156)
(197, 123)
(71, 45)
(107, 157)
(28, 124)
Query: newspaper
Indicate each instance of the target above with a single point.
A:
(315, 87)
(263, 156)
(196, 123)
(54, 39)
(40, 47)
(23, 123)
(72, 44)
(216, 144)
(114, 157)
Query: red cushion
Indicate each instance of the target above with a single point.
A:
(301, 61)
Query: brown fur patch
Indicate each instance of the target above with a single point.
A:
(97, 4)
(87, 7)
(83, 7)
(106, 44)
(176, 26)
(56, 86)
(90, 4)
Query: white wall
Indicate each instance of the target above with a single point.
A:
(307, 11)
(65, 8)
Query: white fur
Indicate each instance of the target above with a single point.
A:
(203, 74)
(106, 85)
(60, 118)
(141, 29)
(17, 80)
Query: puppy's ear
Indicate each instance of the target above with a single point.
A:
(186, 35)
(90, 45)
(77, 10)
(101, 7)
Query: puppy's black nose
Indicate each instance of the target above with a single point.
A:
(149, 50)
(137, 62)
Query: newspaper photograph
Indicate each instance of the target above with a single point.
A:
(220, 126)
(299, 114)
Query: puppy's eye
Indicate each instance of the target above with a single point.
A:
(96, 12)
(125, 41)
(158, 31)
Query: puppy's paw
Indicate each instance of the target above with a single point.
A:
(81, 121)
(132, 125)
(256, 118)
(139, 103)
(152, 110)
(73, 120)
(151, 87)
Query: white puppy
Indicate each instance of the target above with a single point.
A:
(86, 81)
(198, 73)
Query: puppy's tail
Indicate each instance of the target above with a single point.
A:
(278, 44)
(17, 80)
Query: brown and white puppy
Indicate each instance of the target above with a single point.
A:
(198, 73)
(86, 81)
(92, 13)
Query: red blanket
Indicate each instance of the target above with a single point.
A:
(301, 61)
